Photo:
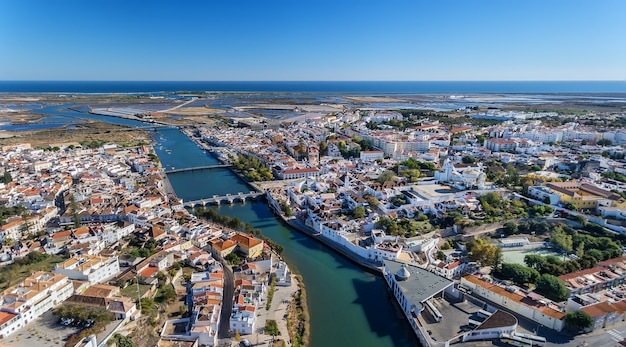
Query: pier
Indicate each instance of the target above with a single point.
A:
(218, 199)
(195, 168)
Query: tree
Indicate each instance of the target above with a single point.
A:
(121, 283)
(284, 206)
(562, 240)
(484, 253)
(121, 340)
(510, 228)
(323, 148)
(578, 320)
(551, 287)
(371, 200)
(534, 261)
(519, 274)
(237, 335)
(147, 306)
(271, 327)
(183, 309)
(580, 250)
(468, 159)
(169, 294)
(386, 176)
(232, 259)
(358, 212)
(234, 223)
(74, 210)
(6, 177)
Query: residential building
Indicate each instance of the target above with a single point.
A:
(29, 299)
(371, 155)
(94, 269)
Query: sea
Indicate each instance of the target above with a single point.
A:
(365, 87)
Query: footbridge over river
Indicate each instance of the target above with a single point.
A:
(195, 168)
(218, 199)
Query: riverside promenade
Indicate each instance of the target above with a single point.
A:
(283, 297)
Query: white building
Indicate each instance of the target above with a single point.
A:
(283, 275)
(32, 297)
(91, 268)
(467, 177)
(371, 155)
(243, 319)
(451, 270)
(531, 305)
(412, 287)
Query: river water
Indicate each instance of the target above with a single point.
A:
(348, 306)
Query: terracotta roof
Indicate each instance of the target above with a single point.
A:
(246, 241)
(291, 171)
(149, 271)
(6, 316)
(101, 290)
(582, 273)
(514, 296)
(598, 310)
(221, 245)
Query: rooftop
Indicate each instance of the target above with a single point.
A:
(421, 284)
(498, 319)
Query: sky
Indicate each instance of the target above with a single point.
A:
(312, 40)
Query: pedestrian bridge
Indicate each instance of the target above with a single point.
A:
(206, 167)
(218, 199)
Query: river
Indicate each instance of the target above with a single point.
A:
(348, 306)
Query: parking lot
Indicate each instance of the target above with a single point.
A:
(455, 313)
(43, 331)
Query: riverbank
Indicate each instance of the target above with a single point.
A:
(298, 321)
(297, 224)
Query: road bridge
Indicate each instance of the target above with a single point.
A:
(218, 199)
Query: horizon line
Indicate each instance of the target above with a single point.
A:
(308, 81)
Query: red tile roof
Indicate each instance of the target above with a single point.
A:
(149, 271)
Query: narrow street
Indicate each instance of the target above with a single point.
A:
(227, 301)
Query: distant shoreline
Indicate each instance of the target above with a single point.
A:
(342, 87)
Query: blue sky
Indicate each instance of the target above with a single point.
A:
(313, 40)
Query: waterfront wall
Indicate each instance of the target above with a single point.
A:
(411, 313)
(344, 248)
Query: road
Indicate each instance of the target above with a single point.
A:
(179, 106)
(227, 301)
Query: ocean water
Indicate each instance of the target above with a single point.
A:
(395, 87)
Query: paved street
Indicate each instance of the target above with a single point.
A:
(227, 301)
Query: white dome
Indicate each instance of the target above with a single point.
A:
(403, 273)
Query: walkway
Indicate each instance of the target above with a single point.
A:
(206, 167)
(277, 312)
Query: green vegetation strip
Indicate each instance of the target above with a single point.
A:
(298, 317)
(270, 293)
